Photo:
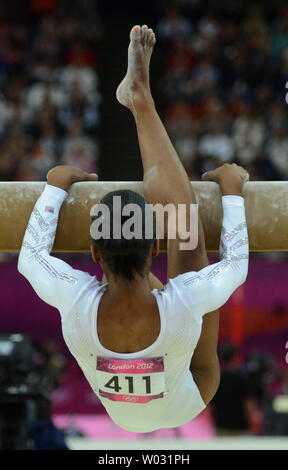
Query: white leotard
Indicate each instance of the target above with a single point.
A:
(152, 388)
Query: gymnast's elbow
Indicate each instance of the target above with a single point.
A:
(243, 271)
(220, 292)
(23, 265)
(240, 277)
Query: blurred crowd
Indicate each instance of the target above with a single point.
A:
(224, 86)
(252, 395)
(223, 89)
(49, 90)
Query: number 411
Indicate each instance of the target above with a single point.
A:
(114, 384)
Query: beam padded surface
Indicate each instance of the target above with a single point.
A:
(266, 211)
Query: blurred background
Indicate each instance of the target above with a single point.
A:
(219, 75)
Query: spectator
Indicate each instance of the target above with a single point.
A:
(78, 107)
(205, 75)
(173, 25)
(255, 23)
(215, 147)
(79, 150)
(248, 136)
(84, 78)
(208, 27)
(278, 152)
(181, 60)
(45, 154)
(279, 38)
(182, 128)
(41, 93)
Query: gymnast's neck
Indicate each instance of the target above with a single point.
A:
(120, 288)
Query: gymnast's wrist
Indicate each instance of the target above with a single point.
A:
(60, 182)
(232, 186)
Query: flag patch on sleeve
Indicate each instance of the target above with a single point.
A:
(49, 209)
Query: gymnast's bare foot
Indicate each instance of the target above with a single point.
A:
(135, 85)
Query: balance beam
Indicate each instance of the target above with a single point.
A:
(266, 211)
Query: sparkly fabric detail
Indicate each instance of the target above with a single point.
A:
(225, 252)
(222, 249)
(48, 266)
(227, 255)
(33, 232)
(243, 256)
(49, 236)
(241, 242)
(230, 235)
(49, 239)
(41, 241)
(45, 247)
(217, 269)
(37, 238)
(41, 222)
(194, 279)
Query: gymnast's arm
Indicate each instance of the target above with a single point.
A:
(210, 288)
(55, 281)
(204, 365)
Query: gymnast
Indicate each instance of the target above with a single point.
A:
(148, 351)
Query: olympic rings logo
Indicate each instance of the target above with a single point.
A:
(133, 399)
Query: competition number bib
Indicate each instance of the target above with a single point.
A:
(131, 381)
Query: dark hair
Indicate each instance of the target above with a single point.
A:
(125, 257)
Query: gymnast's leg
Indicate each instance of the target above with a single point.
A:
(166, 181)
